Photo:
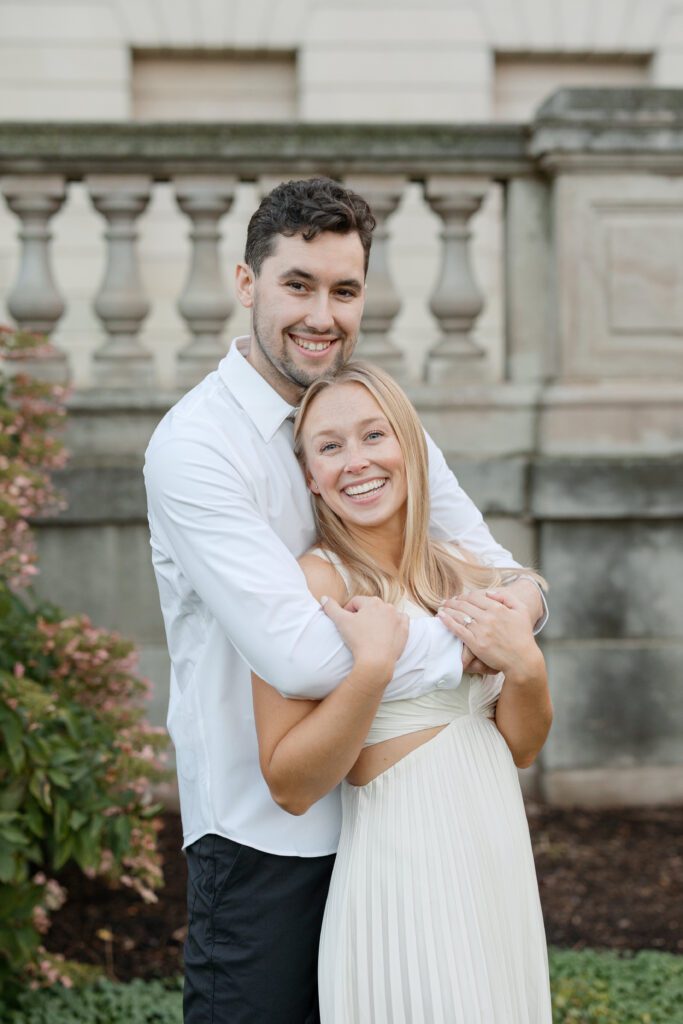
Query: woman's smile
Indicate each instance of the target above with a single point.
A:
(365, 492)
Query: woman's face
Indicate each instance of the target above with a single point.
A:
(353, 458)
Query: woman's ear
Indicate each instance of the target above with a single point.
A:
(312, 485)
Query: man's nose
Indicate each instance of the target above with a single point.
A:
(319, 315)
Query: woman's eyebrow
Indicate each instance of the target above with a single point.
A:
(327, 431)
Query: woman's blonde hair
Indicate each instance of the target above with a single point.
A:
(429, 571)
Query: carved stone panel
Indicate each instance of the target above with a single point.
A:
(619, 276)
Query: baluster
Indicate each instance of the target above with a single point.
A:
(120, 302)
(205, 302)
(35, 302)
(382, 303)
(457, 301)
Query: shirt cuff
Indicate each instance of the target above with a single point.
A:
(443, 669)
(545, 615)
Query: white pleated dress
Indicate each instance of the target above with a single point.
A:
(433, 914)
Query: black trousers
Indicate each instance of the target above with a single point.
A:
(254, 921)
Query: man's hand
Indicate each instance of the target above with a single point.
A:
(470, 664)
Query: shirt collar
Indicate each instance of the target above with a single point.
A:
(265, 408)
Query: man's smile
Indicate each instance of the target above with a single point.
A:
(312, 346)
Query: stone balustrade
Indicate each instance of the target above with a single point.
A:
(120, 164)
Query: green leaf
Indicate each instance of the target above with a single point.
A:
(8, 865)
(13, 835)
(12, 794)
(60, 821)
(85, 851)
(12, 731)
(59, 778)
(40, 788)
(63, 851)
(35, 818)
(77, 819)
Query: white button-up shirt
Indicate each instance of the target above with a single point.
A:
(229, 514)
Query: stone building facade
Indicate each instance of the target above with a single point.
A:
(526, 286)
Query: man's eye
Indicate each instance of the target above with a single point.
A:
(296, 285)
(345, 293)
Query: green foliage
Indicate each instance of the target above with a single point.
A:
(76, 755)
(591, 987)
(106, 1002)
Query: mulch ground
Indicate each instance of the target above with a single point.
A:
(608, 879)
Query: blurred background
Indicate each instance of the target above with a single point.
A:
(524, 160)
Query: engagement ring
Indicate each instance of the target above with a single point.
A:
(467, 619)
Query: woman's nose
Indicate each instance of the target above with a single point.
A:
(356, 462)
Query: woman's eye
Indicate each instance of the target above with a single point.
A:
(329, 447)
(374, 434)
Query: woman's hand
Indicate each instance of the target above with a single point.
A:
(495, 626)
(497, 629)
(375, 632)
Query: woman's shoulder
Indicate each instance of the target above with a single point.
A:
(324, 574)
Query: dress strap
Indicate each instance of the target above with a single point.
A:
(333, 558)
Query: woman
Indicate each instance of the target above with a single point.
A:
(433, 911)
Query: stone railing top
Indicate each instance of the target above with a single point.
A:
(603, 126)
(593, 124)
(251, 151)
(628, 106)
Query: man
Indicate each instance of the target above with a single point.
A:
(229, 514)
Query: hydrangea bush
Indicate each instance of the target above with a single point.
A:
(77, 757)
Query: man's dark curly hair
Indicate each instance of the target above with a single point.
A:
(307, 208)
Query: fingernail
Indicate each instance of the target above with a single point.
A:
(323, 600)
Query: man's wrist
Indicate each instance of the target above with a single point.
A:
(537, 606)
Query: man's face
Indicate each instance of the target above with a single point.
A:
(307, 303)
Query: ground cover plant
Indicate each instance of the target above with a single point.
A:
(77, 757)
(589, 987)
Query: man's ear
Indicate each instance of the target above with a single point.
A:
(244, 284)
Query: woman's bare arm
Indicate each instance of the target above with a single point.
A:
(307, 747)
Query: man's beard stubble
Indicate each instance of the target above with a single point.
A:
(287, 368)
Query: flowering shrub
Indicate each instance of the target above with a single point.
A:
(29, 409)
(77, 757)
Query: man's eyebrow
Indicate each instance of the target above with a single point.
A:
(298, 272)
(330, 431)
(347, 282)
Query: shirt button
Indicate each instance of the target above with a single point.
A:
(441, 683)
